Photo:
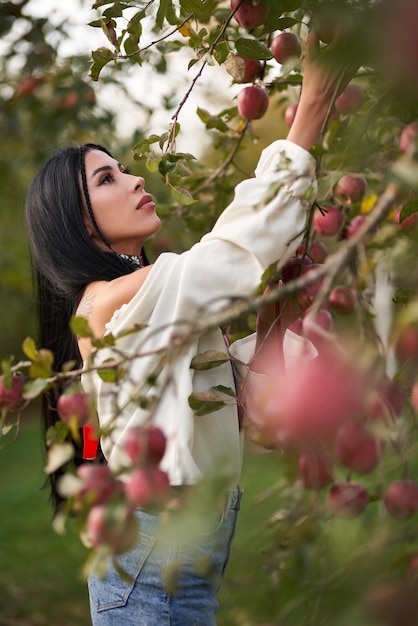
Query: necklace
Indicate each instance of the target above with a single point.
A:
(135, 261)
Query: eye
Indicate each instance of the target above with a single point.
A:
(126, 170)
(105, 179)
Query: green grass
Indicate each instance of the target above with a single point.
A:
(40, 581)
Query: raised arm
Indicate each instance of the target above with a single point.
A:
(322, 77)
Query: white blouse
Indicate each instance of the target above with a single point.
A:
(263, 224)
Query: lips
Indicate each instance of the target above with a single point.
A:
(146, 202)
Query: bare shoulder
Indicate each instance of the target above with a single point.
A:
(102, 298)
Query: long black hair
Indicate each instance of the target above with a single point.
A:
(65, 259)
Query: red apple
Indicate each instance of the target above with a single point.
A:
(327, 221)
(311, 399)
(293, 268)
(408, 138)
(74, 408)
(343, 299)
(139, 488)
(317, 326)
(252, 102)
(318, 251)
(285, 46)
(347, 499)
(242, 69)
(357, 448)
(156, 445)
(161, 483)
(414, 396)
(409, 223)
(135, 444)
(352, 188)
(290, 114)
(412, 570)
(313, 289)
(144, 487)
(350, 100)
(401, 499)
(315, 469)
(98, 483)
(354, 226)
(116, 527)
(11, 398)
(406, 347)
(393, 394)
(250, 14)
(398, 25)
(325, 25)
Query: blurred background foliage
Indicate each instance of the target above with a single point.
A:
(48, 100)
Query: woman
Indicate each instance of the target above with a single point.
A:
(88, 219)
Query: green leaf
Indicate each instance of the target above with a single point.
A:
(208, 360)
(29, 348)
(108, 341)
(226, 390)
(34, 388)
(57, 433)
(408, 209)
(42, 364)
(134, 27)
(253, 49)
(205, 402)
(114, 11)
(80, 327)
(165, 8)
(221, 52)
(202, 9)
(403, 296)
(100, 58)
(132, 49)
(6, 365)
(182, 196)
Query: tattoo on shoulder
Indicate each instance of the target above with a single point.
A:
(85, 307)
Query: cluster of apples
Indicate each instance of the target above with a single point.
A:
(253, 100)
(109, 500)
(329, 411)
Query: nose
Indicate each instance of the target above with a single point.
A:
(139, 183)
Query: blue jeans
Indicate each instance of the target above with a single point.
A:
(145, 600)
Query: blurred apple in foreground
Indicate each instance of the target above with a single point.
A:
(11, 398)
(309, 402)
(347, 499)
(401, 499)
(350, 100)
(115, 526)
(398, 24)
(357, 448)
(315, 469)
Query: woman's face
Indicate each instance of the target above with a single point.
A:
(124, 212)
